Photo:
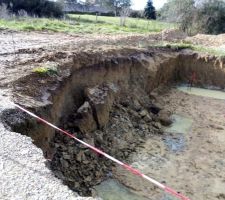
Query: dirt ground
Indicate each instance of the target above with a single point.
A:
(28, 50)
(198, 170)
(217, 41)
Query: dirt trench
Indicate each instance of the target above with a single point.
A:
(105, 100)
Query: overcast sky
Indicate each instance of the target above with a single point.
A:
(140, 4)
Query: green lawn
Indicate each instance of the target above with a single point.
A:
(86, 24)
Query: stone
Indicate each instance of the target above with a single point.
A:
(155, 108)
(80, 156)
(101, 99)
(84, 119)
(143, 113)
(125, 103)
(136, 105)
(164, 118)
(147, 118)
(157, 125)
(216, 127)
(66, 156)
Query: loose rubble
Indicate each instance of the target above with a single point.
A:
(114, 125)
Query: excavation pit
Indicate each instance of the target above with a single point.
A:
(118, 102)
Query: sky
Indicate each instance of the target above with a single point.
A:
(140, 4)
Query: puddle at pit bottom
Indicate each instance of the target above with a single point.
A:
(216, 94)
(175, 143)
(180, 125)
(113, 190)
(175, 138)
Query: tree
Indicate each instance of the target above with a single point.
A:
(35, 7)
(177, 10)
(210, 17)
(150, 12)
(196, 16)
(118, 5)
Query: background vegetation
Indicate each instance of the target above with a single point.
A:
(38, 8)
(86, 24)
(191, 16)
(195, 16)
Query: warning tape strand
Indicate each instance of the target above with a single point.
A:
(127, 167)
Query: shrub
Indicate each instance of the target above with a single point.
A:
(208, 16)
(136, 14)
(34, 7)
(4, 12)
(46, 70)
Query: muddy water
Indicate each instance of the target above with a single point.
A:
(174, 141)
(113, 190)
(192, 160)
(216, 94)
(180, 124)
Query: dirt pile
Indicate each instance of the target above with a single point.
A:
(208, 40)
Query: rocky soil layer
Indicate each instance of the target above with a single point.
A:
(114, 125)
(23, 170)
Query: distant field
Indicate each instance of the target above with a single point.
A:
(86, 24)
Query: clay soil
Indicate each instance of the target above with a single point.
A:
(198, 170)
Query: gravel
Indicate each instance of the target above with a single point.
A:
(23, 172)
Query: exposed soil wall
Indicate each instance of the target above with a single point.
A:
(124, 68)
(210, 70)
(105, 99)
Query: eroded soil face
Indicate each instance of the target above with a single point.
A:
(129, 122)
(196, 170)
(28, 50)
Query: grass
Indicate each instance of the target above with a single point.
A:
(198, 48)
(46, 70)
(85, 24)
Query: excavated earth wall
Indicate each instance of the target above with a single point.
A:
(95, 96)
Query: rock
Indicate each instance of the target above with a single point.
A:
(85, 119)
(89, 141)
(157, 125)
(128, 137)
(164, 118)
(120, 144)
(99, 139)
(65, 164)
(66, 156)
(80, 156)
(136, 105)
(134, 114)
(101, 99)
(125, 103)
(147, 118)
(155, 108)
(143, 113)
(216, 127)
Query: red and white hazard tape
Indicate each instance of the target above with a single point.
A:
(129, 168)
